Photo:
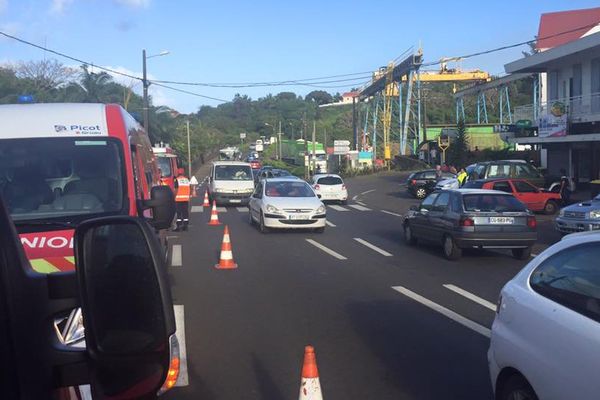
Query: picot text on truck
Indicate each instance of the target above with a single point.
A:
(63, 164)
(167, 164)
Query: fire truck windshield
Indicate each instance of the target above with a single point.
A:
(164, 163)
(43, 178)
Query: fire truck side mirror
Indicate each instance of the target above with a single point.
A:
(162, 203)
(127, 306)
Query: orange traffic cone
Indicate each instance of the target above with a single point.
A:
(206, 203)
(214, 215)
(226, 258)
(310, 387)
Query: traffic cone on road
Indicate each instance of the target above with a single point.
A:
(310, 387)
(214, 215)
(206, 202)
(226, 258)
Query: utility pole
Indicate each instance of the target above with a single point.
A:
(279, 140)
(354, 126)
(314, 147)
(189, 150)
(145, 85)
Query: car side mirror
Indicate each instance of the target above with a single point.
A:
(162, 203)
(127, 306)
(424, 210)
(319, 196)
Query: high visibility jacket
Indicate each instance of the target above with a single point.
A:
(461, 178)
(183, 189)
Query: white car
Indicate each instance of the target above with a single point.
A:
(447, 184)
(330, 187)
(545, 341)
(286, 203)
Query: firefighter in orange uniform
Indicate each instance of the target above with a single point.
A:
(182, 198)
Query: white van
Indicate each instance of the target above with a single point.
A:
(230, 182)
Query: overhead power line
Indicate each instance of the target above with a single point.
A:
(190, 93)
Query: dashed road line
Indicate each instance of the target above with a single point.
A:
(183, 378)
(368, 191)
(482, 330)
(354, 197)
(373, 247)
(361, 203)
(391, 213)
(331, 224)
(221, 209)
(326, 249)
(471, 296)
(197, 209)
(337, 208)
(242, 209)
(359, 207)
(176, 259)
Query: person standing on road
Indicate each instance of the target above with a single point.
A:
(182, 200)
(462, 177)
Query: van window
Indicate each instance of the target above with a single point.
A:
(233, 173)
(499, 171)
(45, 178)
(525, 171)
(572, 278)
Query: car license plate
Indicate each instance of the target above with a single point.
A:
(235, 201)
(298, 216)
(502, 220)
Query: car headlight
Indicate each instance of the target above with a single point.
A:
(321, 209)
(271, 209)
(561, 213)
(595, 214)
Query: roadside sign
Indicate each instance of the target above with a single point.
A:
(341, 150)
(243, 135)
(341, 143)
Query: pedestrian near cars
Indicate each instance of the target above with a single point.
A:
(182, 199)
(462, 176)
(438, 172)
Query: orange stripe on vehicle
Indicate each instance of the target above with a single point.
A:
(42, 266)
(61, 263)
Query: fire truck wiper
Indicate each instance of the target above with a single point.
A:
(66, 224)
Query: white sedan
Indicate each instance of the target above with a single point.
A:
(330, 187)
(545, 341)
(286, 203)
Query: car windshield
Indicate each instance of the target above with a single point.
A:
(330, 180)
(164, 163)
(492, 203)
(288, 189)
(233, 173)
(58, 177)
(281, 172)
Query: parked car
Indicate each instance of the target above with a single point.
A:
(286, 203)
(330, 187)
(472, 218)
(579, 217)
(421, 183)
(445, 184)
(545, 341)
(230, 182)
(534, 198)
(255, 164)
(506, 169)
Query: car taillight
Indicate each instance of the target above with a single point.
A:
(413, 182)
(317, 187)
(467, 222)
(531, 222)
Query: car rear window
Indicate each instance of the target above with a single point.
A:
(473, 185)
(330, 180)
(487, 202)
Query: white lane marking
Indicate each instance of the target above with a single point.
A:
(326, 249)
(221, 209)
(197, 209)
(391, 213)
(242, 209)
(471, 296)
(361, 203)
(482, 330)
(369, 191)
(354, 197)
(373, 247)
(337, 208)
(182, 379)
(331, 224)
(359, 207)
(176, 259)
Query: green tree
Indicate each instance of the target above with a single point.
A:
(458, 151)
(320, 97)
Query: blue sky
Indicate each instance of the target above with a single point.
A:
(259, 40)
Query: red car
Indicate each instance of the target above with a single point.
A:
(255, 165)
(534, 198)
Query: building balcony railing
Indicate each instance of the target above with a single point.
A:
(579, 109)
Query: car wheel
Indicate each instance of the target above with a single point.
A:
(522, 254)
(408, 235)
(517, 388)
(551, 207)
(262, 226)
(250, 219)
(320, 230)
(421, 193)
(451, 250)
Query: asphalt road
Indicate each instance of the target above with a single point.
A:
(388, 321)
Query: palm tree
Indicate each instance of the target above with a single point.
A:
(94, 84)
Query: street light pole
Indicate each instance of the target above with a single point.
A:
(145, 84)
(279, 140)
(189, 150)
